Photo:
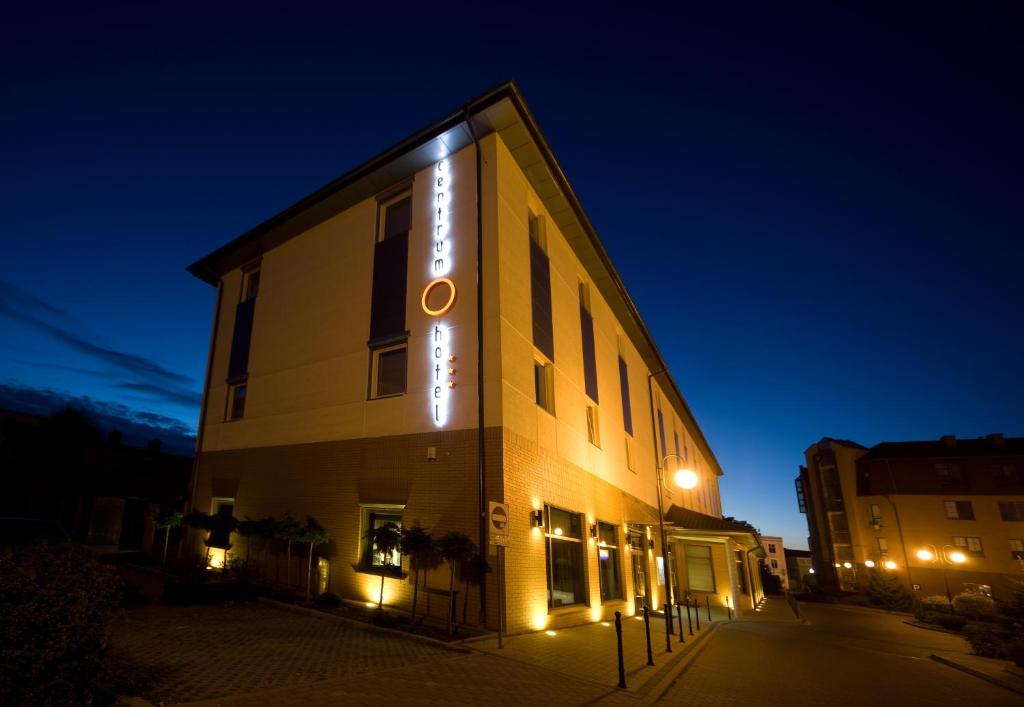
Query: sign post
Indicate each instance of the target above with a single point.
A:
(497, 518)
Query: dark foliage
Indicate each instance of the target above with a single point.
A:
(885, 590)
(328, 599)
(56, 600)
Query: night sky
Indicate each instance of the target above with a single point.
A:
(818, 212)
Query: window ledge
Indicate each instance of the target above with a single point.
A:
(392, 572)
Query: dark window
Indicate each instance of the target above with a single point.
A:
(564, 554)
(608, 561)
(1011, 510)
(251, 286)
(661, 433)
(391, 371)
(540, 292)
(959, 510)
(970, 546)
(236, 407)
(543, 386)
(397, 219)
(593, 426)
(589, 356)
(741, 576)
(627, 410)
(238, 363)
(387, 304)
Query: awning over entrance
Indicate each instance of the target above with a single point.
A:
(686, 523)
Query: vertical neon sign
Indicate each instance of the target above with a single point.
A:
(439, 297)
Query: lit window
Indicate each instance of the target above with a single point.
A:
(564, 554)
(543, 386)
(608, 561)
(375, 518)
(883, 545)
(969, 545)
(959, 510)
(389, 371)
(236, 401)
(876, 514)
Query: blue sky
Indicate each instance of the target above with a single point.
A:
(818, 211)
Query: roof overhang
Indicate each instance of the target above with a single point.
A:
(501, 110)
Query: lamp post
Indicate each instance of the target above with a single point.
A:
(684, 478)
(949, 555)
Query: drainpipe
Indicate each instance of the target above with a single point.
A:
(661, 510)
(481, 450)
(205, 400)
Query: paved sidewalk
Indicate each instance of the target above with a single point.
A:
(771, 609)
(998, 672)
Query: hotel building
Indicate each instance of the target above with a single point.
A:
(945, 516)
(439, 329)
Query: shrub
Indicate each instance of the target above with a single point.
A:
(936, 602)
(56, 602)
(384, 619)
(285, 595)
(328, 599)
(989, 641)
(974, 606)
(950, 621)
(886, 591)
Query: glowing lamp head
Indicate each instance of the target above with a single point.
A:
(811, 571)
(869, 563)
(890, 565)
(957, 557)
(848, 565)
(685, 479)
(925, 555)
(558, 531)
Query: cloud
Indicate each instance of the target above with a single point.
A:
(143, 375)
(136, 426)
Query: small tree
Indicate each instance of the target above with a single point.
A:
(288, 530)
(197, 520)
(248, 529)
(473, 571)
(385, 540)
(885, 590)
(166, 518)
(314, 534)
(456, 548)
(222, 524)
(423, 556)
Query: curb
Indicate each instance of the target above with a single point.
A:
(648, 696)
(977, 673)
(926, 627)
(370, 627)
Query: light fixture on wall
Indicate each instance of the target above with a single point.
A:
(537, 519)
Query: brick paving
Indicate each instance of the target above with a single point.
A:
(180, 654)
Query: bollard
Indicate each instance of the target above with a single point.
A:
(668, 629)
(679, 613)
(728, 607)
(696, 612)
(647, 630)
(618, 639)
(689, 621)
(708, 598)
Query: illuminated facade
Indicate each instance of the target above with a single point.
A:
(946, 515)
(437, 329)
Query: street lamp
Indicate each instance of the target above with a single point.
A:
(949, 555)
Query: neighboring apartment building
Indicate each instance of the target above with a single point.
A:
(775, 558)
(948, 512)
(438, 329)
(798, 568)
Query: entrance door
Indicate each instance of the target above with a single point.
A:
(639, 581)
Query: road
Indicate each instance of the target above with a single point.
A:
(842, 656)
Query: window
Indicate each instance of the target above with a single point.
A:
(540, 289)
(876, 514)
(608, 561)
(396, 217)
(587, 333)
(1017, 548)
(375, 517)
(564, 554)
(627, 411)
(883, 545)
(661, 433)
(389, 371)
(741, 575)
(775, 564)
(771, 548)
(959, 510)
(700, 575)
(543, 386)
(971, 546)
(222, 506)
(593, 426)
(250, 284)
(949, 474)
(675, 437)
(1011, 510)
(236, 401)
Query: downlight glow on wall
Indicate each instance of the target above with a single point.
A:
(439, 297)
